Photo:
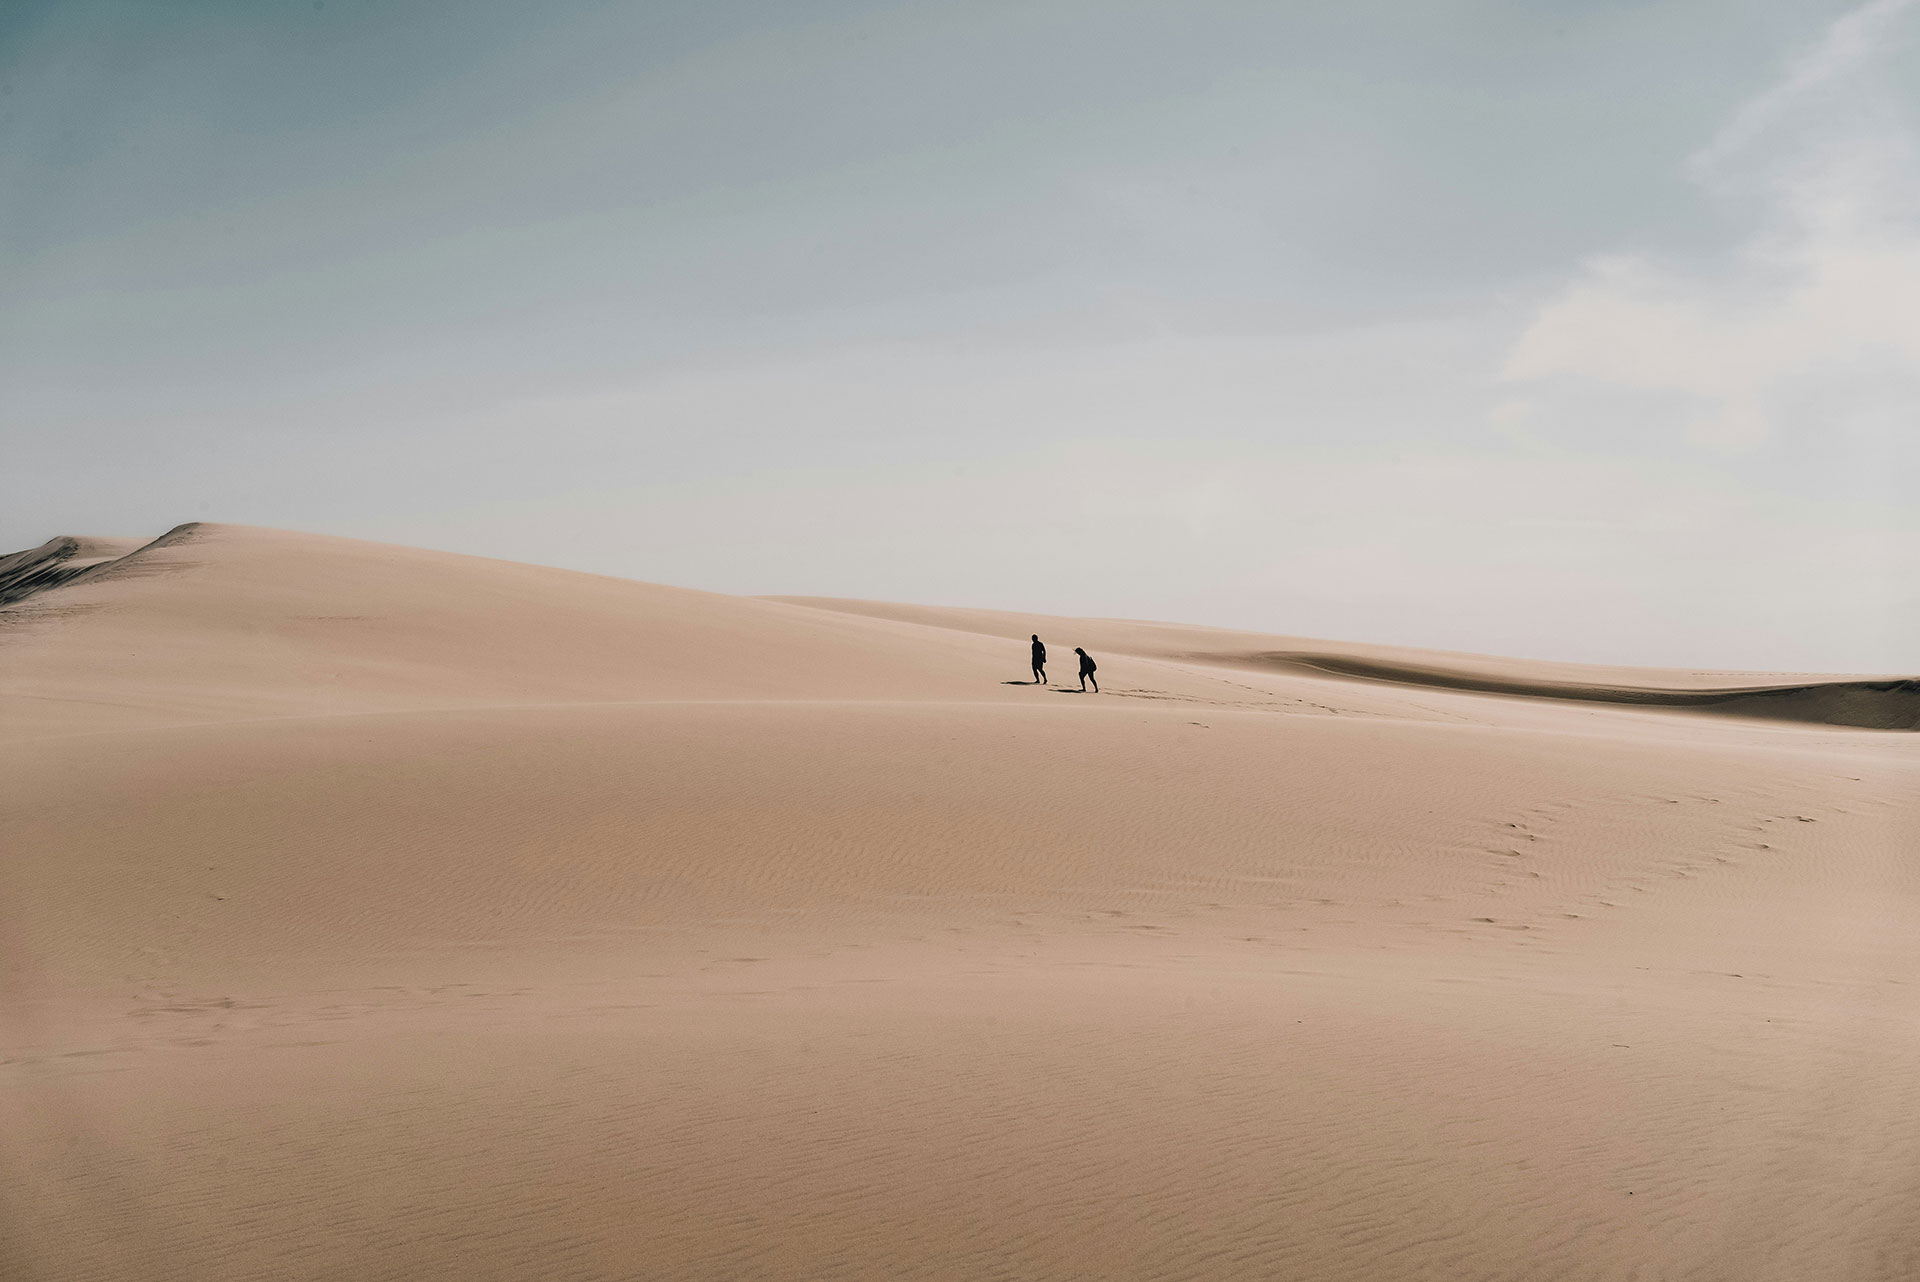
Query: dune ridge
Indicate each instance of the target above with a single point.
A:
(67, 558)
(1892, 704)
(1878, 703)
(378, 913)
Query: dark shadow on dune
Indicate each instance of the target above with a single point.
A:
(64, 560)
(54, 562)
(1871, 705)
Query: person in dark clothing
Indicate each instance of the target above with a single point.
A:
(1087, 666)
(1039, 661)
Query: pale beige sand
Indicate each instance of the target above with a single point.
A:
(372, 913)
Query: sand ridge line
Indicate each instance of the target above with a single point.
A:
(1890, 703)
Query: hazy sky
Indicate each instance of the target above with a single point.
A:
(1581, 330)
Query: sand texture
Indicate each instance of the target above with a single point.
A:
(383, 914)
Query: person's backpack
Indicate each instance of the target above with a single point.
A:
(1091, 665)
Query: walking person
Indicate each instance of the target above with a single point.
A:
(1039, 661)
(1087, 666)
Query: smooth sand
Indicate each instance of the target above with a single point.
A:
(381, 914)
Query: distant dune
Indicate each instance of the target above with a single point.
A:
(1879, 703)
(1892, 704)
(378, 913)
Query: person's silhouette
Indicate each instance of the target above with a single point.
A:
(1087, 666)
(1039, 661)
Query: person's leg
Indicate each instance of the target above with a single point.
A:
(1096, 684)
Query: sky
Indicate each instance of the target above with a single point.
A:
(1586, 331)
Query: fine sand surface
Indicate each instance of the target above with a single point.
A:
(382, 914)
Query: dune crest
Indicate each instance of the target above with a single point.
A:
(1879, 703)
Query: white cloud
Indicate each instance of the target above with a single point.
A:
(1817, 315)
(1848, 43)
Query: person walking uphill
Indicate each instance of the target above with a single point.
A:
(1039, 661)
(1087, 666)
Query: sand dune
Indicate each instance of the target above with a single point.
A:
(376, 913)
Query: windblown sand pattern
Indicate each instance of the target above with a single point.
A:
(385, 914)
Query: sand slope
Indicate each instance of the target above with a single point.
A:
(375, 913)
(221, 622)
